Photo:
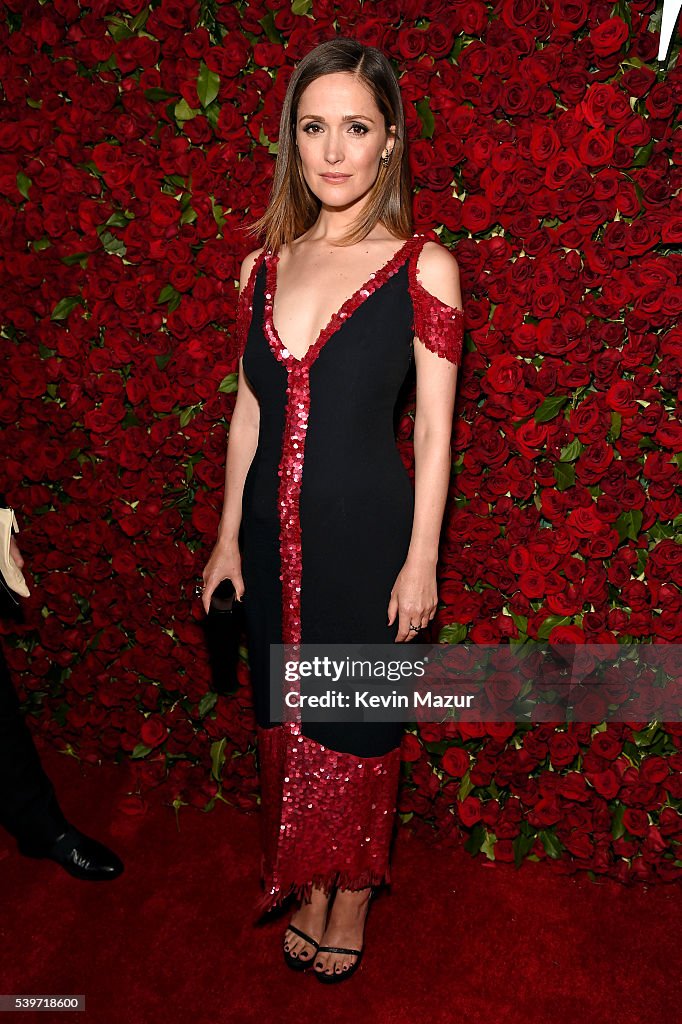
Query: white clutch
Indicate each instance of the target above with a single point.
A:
(11, 573)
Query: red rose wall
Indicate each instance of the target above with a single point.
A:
(137, 141)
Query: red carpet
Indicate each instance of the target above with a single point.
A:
(171, 940)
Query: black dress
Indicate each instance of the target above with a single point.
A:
(321, 550)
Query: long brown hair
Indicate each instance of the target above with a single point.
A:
(293, 208)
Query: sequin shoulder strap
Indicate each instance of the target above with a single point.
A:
(245, 306)
(438, 326)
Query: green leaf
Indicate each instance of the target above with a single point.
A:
(455, 633)
(488, 845)
(549, 624)
(629, 524)
(520, 621)
(302, 7)
(553, 847)
(154, 95)
(208, 85)
(183, 112)
(521, 845)
(564, 474)
(213, 115)
(188, 413)
(218, 214)
(426, 117)
(268, 25)
(140, 20)
(616, 420)
(23, 184)
(118, 29)
(112, 244)
(75, 257)
(119, 219)
(571, 452)
(167, 293)
(162, 361)
(140, 751)
(228, 384)
(642, 154)
(647, 736)
(64, 307)
(549, 408)
(473, 843)
(217, 758)
(207, 703)
(465, 786)
(130, 420)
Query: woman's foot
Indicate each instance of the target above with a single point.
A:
(345, 928)
(311, 918)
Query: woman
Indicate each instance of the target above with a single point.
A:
(337, 547)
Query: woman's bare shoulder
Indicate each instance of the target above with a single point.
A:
(439, 272)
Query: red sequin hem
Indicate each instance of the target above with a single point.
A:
(333, 826)
(302, 890)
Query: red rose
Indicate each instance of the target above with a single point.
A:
(608, 37)
(563, 748)
(469, 811)
(153, 732)
(635, 821)
(455, 761)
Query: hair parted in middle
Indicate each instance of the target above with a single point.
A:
(293, 207)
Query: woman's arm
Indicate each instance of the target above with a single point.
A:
(225, 560)
(414, 595)
(242, 439)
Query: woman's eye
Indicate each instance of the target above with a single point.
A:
(356, 128)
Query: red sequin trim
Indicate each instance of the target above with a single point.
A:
(374, 281)
(327, 817)
(440, 327)
(245, 307)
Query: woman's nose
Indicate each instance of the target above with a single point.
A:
(333, 151)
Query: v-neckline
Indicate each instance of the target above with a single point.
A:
(374, 281)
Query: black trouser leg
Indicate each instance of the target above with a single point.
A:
(29, 809)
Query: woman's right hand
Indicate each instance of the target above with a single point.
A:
(225, 563)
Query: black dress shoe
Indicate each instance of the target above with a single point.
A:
(81, 856)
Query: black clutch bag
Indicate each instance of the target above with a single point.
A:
(222, 627)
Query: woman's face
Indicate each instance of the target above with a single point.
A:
(341, 136)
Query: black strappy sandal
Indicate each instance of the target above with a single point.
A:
(295, 962)
(338, 975)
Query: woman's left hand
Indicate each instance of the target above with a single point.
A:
(414, 599)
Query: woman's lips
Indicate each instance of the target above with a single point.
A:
(338, 178)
